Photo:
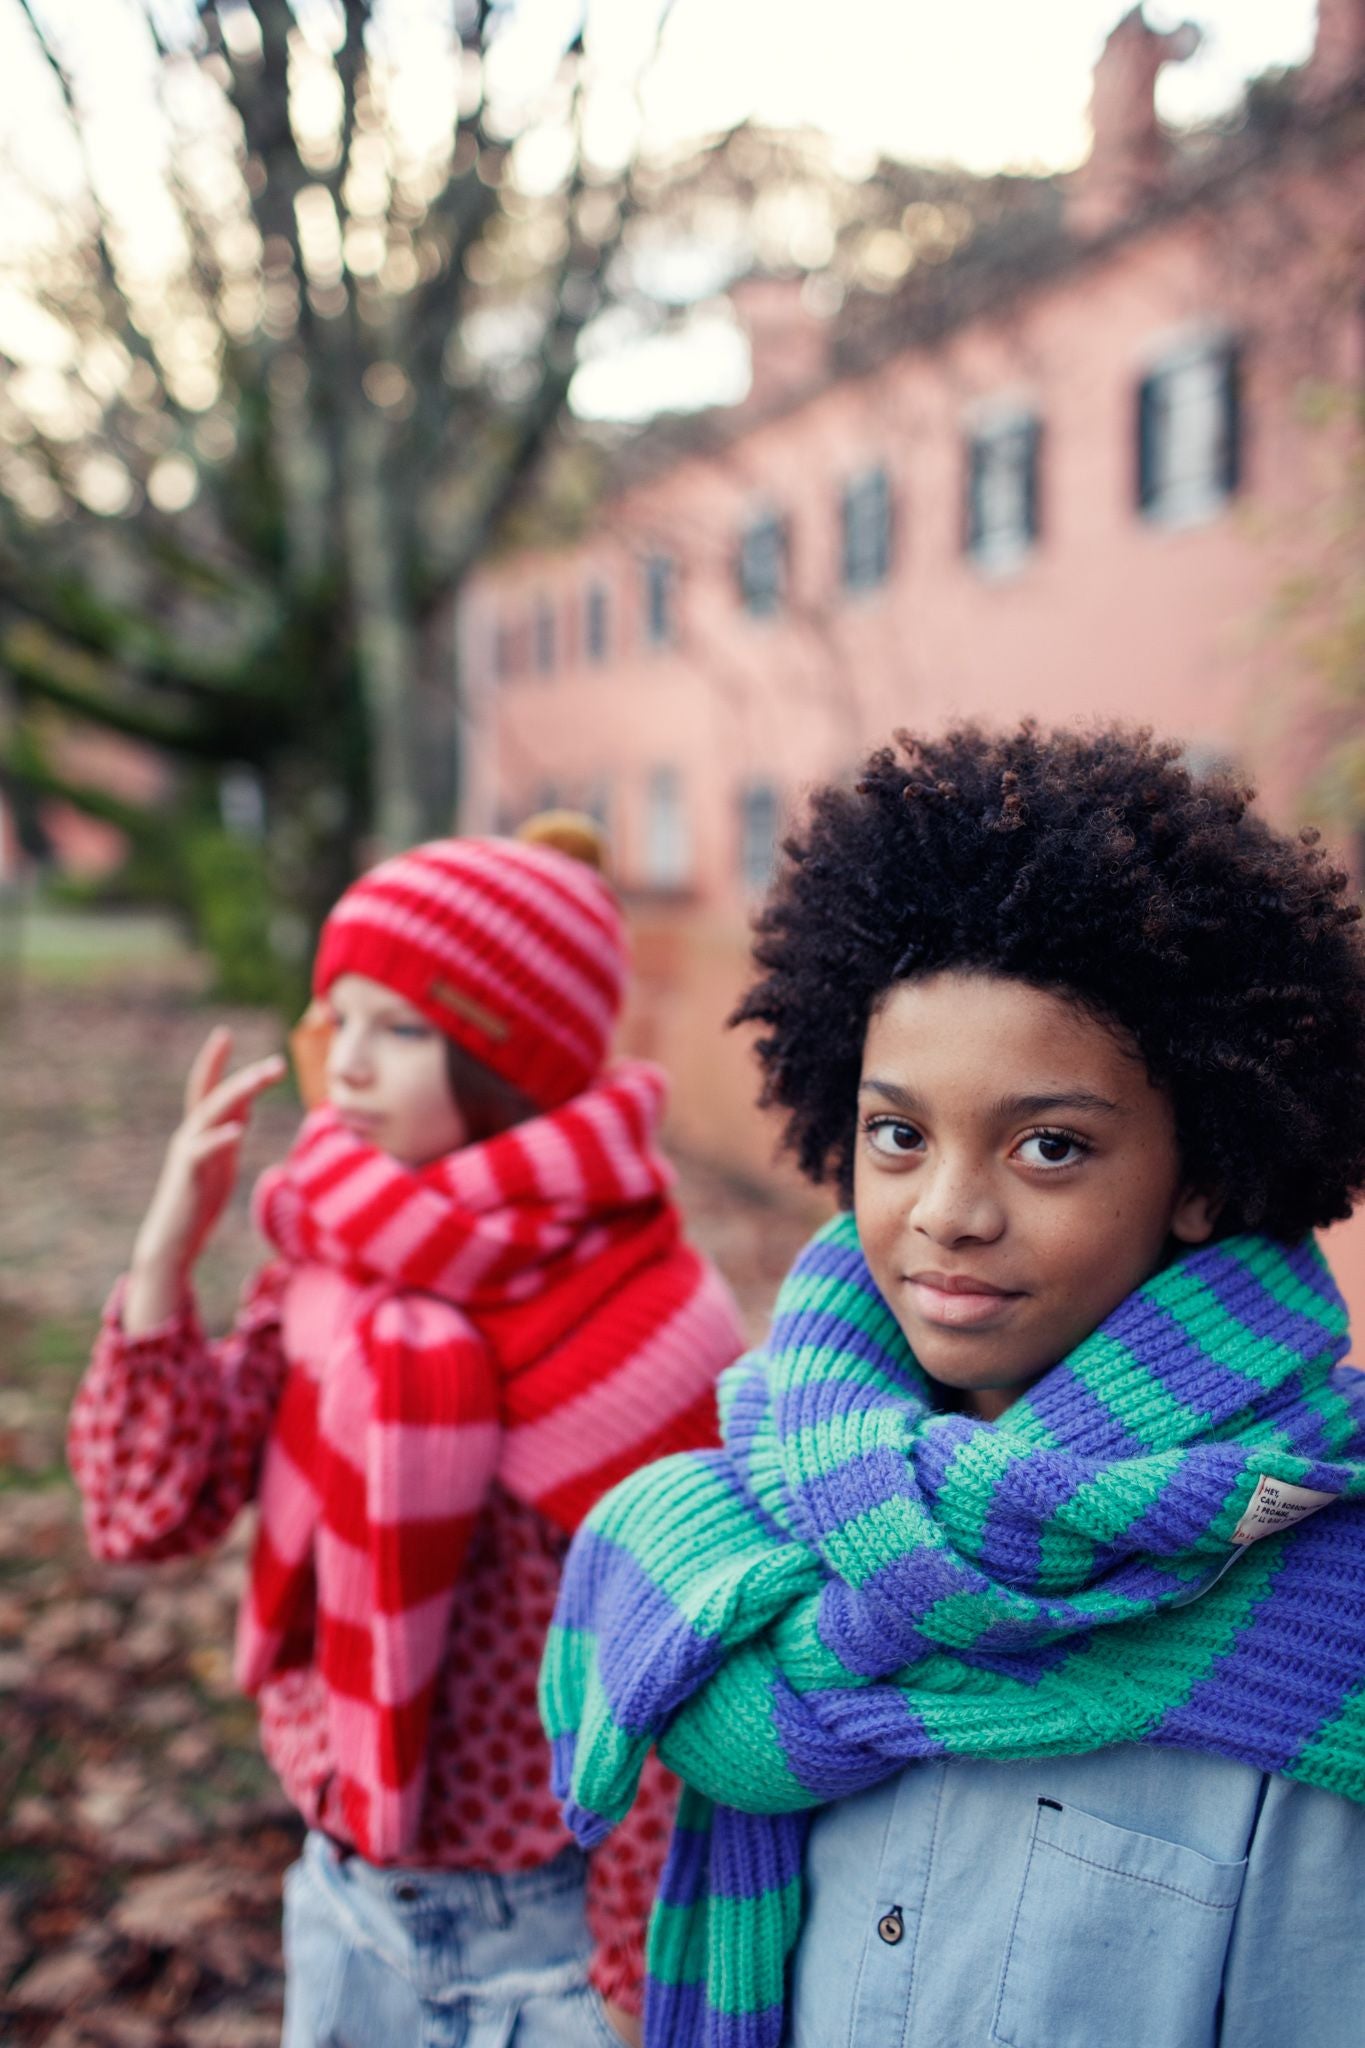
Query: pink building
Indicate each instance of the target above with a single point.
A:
(86, 846)
(1066, 471)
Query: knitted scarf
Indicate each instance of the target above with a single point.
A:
(524, 1310)
(856, 1581)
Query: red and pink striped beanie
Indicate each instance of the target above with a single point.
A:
(517, 952)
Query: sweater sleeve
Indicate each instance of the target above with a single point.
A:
(167, 1429)
(623, 1877)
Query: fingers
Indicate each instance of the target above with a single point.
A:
(231, 1100)
(219, 1138)
(208, 1066)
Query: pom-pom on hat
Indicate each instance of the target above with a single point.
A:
(516, 950)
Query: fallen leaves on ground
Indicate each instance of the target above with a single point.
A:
(144, 1837)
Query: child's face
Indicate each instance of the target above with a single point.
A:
(386, 1073)
(1016, 1176)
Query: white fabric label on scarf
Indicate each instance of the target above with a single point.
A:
(1276, 1505)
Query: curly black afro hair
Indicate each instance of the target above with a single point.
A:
(1097, 866)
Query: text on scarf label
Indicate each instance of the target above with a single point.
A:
(1277, 1505)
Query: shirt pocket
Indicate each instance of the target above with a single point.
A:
(1117, 1936)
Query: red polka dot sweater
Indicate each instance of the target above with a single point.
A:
(420, 1454)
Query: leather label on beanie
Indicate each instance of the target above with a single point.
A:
(1275, 1505)
(492, 1026)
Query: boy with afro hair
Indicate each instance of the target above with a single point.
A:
(1012, 1647)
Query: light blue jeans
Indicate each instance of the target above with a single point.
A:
(403, 1958)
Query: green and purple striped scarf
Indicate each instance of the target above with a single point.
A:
(855, 1581)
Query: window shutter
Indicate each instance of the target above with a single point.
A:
(660, 621)
(544, 637)
(1148, 407)
(889, 525)
(848, 528)
(759, 818)
(1032, 435)
(595, 623)
(866, 531)
(1231, 476)
(974, 518)
(761, 566)
(882, 502)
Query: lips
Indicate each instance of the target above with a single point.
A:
(957, 1301)
(359, 1121)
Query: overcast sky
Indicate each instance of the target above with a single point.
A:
(985, 83)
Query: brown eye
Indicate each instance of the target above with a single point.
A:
(893, 1138)
(1052, 1148)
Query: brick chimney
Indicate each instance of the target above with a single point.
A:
(789, 343)
(1130, 150)
(1338, 48)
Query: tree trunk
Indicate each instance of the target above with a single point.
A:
(385, 643)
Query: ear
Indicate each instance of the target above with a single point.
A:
(308, 1044)
(1195, 1216)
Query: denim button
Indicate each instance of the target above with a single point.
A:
(891, 1927)
(406, 1893)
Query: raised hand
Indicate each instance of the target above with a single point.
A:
(197, 1176)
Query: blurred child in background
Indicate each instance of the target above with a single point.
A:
(480, 1313)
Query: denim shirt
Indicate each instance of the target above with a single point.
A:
(1134, 1898)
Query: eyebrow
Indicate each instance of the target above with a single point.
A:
(393, 1010)
(1005, 1106)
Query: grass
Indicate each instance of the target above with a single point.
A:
(54, 1345)
(53, 944)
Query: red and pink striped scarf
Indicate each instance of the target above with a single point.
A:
(524, 1311)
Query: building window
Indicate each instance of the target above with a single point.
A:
(595, 627)
(543, 636)
(759, 823)
(597, 805)
(1002, 491)
(1189, 434)
(763, 565)
(660, 600)
(668, 855)
(241, 803)
(504, 650)
(867, 531)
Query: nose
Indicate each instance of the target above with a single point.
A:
(348, 1055)
(954, 1202)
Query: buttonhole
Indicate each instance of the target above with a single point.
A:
(1055, 1804)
